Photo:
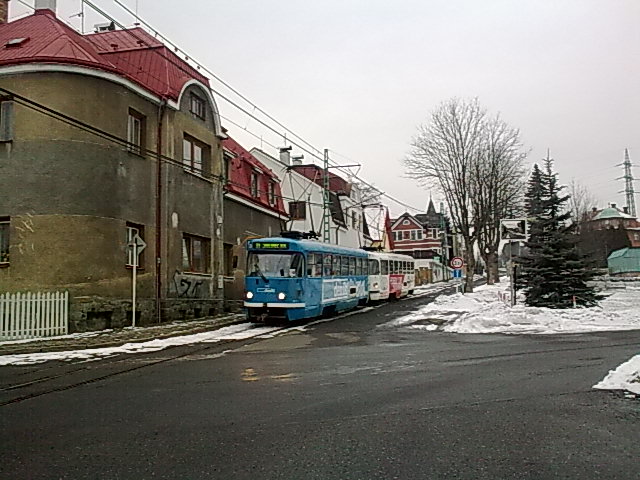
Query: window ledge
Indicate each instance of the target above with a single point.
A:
(4, 264)
(130, 267)
(198, 274)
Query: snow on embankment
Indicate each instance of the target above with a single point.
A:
(484, 312)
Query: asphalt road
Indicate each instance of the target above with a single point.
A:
(344, 399)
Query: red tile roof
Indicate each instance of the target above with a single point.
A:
(48, 40)
(146, 60)
(242, 166)
(133, 53)
(337, 184)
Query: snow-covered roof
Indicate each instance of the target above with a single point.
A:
(611, 212)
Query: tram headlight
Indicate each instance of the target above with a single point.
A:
(281, 296)
(249, 295)
(375, 285)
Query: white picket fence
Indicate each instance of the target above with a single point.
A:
(33, 315)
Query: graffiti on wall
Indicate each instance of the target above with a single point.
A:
(184, 285)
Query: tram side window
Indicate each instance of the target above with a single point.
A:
(385, 267)
(311, 260)
(405, 267)
(336, 265)
(344, 264)
(317, 269)
(328, 264)
(374, 267)
(314, 265)
(396, 267)
(358, 266)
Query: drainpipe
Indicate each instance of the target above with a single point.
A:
(159, 221)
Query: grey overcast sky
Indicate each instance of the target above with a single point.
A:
(358, 76)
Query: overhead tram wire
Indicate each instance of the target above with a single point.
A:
(216, 77)
(231, 102)
(256, 107)
(118, 141)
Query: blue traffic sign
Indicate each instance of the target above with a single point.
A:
(457, 273)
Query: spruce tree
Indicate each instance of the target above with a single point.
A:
(553, 272)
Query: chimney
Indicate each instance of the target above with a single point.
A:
(285, 155)
(613, 205)
(297, 159)
(46, 5)
(625, 210)
(4, 11)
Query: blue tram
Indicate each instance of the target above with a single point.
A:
(296, 279)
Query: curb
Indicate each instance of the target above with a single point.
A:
(120, 337)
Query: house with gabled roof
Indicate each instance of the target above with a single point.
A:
(608, 230)
(303, 195)
(108, 139)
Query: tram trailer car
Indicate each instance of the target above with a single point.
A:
(297, 279)
(391, 275)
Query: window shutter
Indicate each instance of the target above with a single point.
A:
(6, 121)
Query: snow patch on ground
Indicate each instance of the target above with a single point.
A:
(484, 312)
(625, 377)
(233, 332)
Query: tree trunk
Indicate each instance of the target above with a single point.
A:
(493, 268)
(486, 258)
(470, 260)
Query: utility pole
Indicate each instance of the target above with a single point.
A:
(326, 211)
(628, 178)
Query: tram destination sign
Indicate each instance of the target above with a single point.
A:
(271, 245)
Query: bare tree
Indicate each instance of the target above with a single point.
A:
(499, 191)
(580, 203)
(443, 155)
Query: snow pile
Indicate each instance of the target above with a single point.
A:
(233, 332)
(484, 312)
(625, 377)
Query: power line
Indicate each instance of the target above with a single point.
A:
(249, 114)
(252, 104)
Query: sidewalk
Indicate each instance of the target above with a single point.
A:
(114, 338)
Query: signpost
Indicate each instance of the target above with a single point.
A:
(513, 230)
(137, 245)
(457, 263)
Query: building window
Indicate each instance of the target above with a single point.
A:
(419, 234)
(196, 254)
(136, 132)
(198, 107)
(254, 184)
(298, 210)
(354, 220)
(194, 155)
(405, 234)
(133, 230)
(4, 241)
(271, 193)
(405, 222)
(6, 120)
(413, 234)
